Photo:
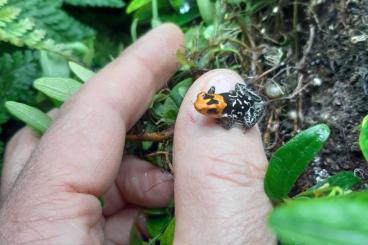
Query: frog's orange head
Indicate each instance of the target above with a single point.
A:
(211, 105)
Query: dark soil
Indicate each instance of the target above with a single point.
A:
(339, 58)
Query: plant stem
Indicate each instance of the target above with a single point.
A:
(152, 136)
(155, 21)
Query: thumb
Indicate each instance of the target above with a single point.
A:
(219, 196)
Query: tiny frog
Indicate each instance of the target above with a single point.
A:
(239, 106)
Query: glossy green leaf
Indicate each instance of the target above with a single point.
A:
(290, 160)
(33, 117)
(136, 4)
(177, 4)
(156, 224)
(340, 220)
(81, 72)
(167, 237)
(57, 88)
(363, 137)
(345, 180)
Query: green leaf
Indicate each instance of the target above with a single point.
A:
(156, 224)
(53, 65)
(289, 161)
(340, 183)
(345, 180)
(170, 110)
(179, 90)
(81, 72)
(207, 10)
(180, 19)
(156, 211)
(136, 4)
(167, 237)
(57, 88)
(363, 137)
(33, 117)
(340, 220)
(96, 3)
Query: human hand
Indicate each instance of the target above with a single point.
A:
(50, 186)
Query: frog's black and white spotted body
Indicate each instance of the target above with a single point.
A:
(239, 106)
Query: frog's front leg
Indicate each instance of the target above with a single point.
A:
(227, 122)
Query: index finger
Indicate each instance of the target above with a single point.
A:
(82, 150)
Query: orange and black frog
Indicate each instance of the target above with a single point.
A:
(240, 106)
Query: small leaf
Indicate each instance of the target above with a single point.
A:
(156, 224)
(57, 88)
(345, 180)
(167, 237)
(33, 117)
(136, 4)
(170, 110)
(179, 90)
(340, 220)
(290, 160)
(342, 181)
(53, 65)
(363, 137)
(81, 72)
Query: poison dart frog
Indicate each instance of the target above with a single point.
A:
(239, 106)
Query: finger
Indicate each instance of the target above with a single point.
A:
(18, 151)
(118, 227)
(218, 175)
(140, 183)
(82, 150)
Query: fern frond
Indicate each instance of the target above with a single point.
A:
(3, 2)
(48, 15)
(8, 14)
(17, 72)
(96, 3)
(41, 24)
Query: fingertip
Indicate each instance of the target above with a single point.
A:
(174, 30)
(217, 171)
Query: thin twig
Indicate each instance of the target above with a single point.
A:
(307, 48)
(152, 136)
